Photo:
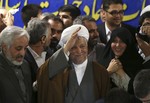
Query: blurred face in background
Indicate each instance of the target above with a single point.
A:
(94, 35)
(66, 18)
(56, 28)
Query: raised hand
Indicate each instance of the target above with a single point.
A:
(71, 41)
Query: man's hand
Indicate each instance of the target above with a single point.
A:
(144, 46)
(9, 19)
(70, 43)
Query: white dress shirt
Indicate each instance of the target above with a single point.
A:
(108, 32)
(40, 59)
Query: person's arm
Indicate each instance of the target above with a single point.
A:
(144, 46)
(59, 60)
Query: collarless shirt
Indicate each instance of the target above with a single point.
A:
(80, 70)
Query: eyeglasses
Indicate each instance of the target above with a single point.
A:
(115, 12)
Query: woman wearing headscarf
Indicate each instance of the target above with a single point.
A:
(121, 58)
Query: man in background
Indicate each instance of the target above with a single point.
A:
(30, 11)
(67, 13)
(141, 85)
(114, 13)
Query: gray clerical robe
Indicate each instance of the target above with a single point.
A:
(53, 82)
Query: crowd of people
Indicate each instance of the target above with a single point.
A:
(69, 58)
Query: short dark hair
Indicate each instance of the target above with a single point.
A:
(48, 16)
(81, 19)
(117, 95)
(74, 11)
(28, 11)
(107, 3)
(141, 83)
(54, 18)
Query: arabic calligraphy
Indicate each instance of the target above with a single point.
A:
(86, 9)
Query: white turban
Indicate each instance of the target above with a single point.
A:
(146, 9)
(66, 34)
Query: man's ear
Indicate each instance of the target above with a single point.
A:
(4, 47)
(43, 39)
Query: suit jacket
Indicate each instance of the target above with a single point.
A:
(147, 64)
(33, 65)
(53, 78)
(95, 54)
(10, 91)
(33, 68)
(102, 31)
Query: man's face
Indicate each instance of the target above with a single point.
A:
(15, 53)
(114, 15)
(66, 18)
(94, 35)
(57, 29)
(79, 51)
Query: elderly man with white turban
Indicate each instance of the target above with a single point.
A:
(68, 76)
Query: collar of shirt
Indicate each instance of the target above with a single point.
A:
(34, 54)
(107, 29)
(80, 70)
(40, 59)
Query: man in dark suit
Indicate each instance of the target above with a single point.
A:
(69, 76)
(40, 38)
(15, 76)
(38, 50)
(114, 13)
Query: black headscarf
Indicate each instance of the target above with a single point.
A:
(130, 59)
